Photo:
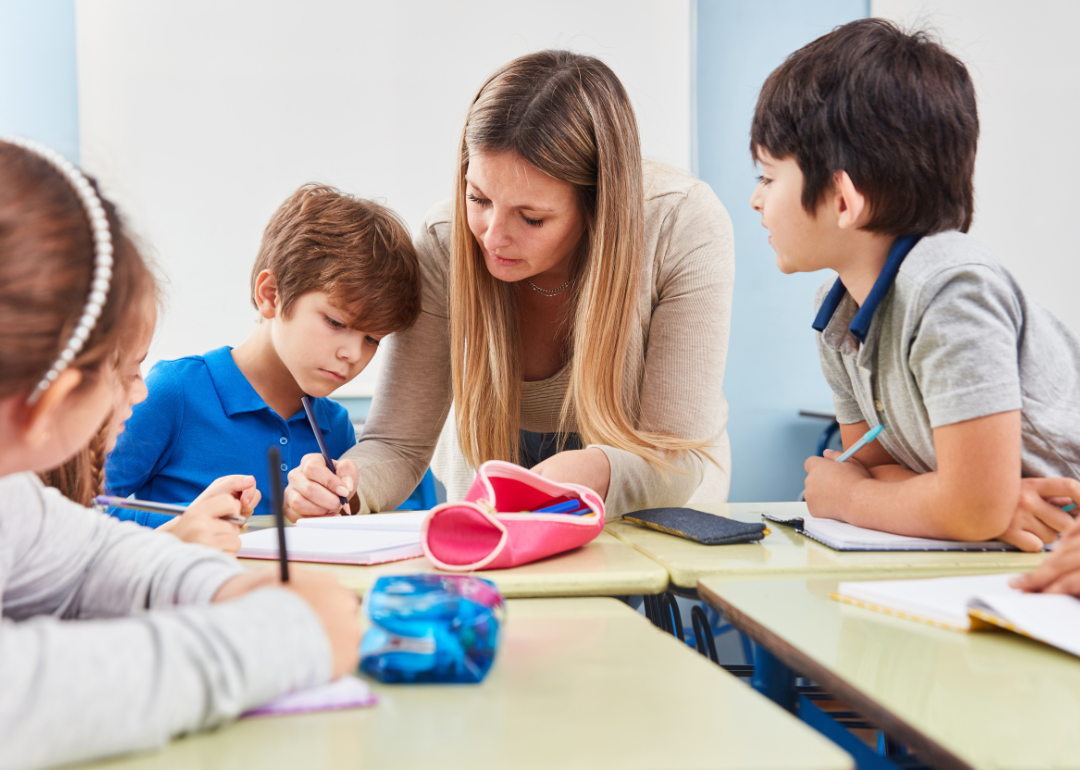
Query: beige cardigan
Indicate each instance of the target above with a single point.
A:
(686, 318)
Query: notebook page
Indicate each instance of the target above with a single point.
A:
(1050, 618)
(347, 692)
(404, 521)
(305, 543)
(936, 600)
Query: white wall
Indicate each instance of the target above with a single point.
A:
(201, 116)
(1024, 62)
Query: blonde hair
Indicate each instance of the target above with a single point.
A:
(569, 116)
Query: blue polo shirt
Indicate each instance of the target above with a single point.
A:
(203, 420)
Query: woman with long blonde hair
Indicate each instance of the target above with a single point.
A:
(576, 310)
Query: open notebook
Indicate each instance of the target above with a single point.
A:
(973, 604)
(372, 539)
(847, 537)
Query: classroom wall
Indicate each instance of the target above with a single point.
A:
(38, 83)
(1023, 61)
(200, 117)
(772, 368)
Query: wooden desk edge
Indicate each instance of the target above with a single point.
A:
(935, 754)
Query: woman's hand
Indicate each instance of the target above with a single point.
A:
(1038, 517)
(204, 523)
(588, 467)
(334, 605)
(314, 491)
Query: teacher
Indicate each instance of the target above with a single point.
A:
(576, 309)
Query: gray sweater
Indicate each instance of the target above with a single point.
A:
(108, 643)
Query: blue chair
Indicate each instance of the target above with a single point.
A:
(424, 497)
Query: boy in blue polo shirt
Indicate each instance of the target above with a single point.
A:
(866, 140)
(334, 274)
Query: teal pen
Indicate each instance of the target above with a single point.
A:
(1069, 507)
(869, 436)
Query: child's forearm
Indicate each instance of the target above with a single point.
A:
(891, 472)
(897, 500)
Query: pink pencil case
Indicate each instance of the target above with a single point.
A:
(495, 527)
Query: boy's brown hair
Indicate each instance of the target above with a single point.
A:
(357, 251)
(896, 111)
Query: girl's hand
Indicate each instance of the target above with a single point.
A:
(202, 523)
(1038, 518)
(588, 467)
(335, 606)
(314, 491)
(829, 484)
(1060, 572)
(240, 487)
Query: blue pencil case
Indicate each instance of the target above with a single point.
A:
(431, 628)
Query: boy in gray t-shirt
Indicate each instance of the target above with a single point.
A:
(866, 139)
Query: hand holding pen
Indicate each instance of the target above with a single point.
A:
(319, 487)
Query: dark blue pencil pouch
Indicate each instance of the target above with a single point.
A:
(431, 628)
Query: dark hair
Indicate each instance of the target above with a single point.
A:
(357, 251)
(895, 110)
(46, 267)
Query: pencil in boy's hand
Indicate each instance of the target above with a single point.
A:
(310, 412)
(277, 502)
(130, 503)
(869, 436)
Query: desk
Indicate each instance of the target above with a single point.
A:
(985, 700)
(579, 683)
(786, 553)
(604, 567)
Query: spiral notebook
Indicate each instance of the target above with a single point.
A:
(847, 537)
(972, 604)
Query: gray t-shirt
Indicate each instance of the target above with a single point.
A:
(955, 339)
(108, 642)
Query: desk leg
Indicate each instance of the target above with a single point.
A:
(773, 679)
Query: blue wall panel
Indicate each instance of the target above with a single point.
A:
(772, 368)
(38, 80)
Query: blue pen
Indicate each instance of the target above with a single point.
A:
(572, 507)
(568, 507)
(306, 401)
(869, 436)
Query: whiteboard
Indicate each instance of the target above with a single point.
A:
(200, 116)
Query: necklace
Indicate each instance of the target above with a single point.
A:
(548, 292)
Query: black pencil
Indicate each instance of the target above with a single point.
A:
(310, 411)
(277, 501)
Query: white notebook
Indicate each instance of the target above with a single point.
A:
(402, 521)
(333, 546)
(973, 603)
(847, 537)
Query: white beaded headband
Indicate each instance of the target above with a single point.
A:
(103, 256)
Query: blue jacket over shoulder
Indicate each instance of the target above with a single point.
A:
(203, 420)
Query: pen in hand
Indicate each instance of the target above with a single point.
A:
(128, 503)
(310, 412)
(869, 436)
